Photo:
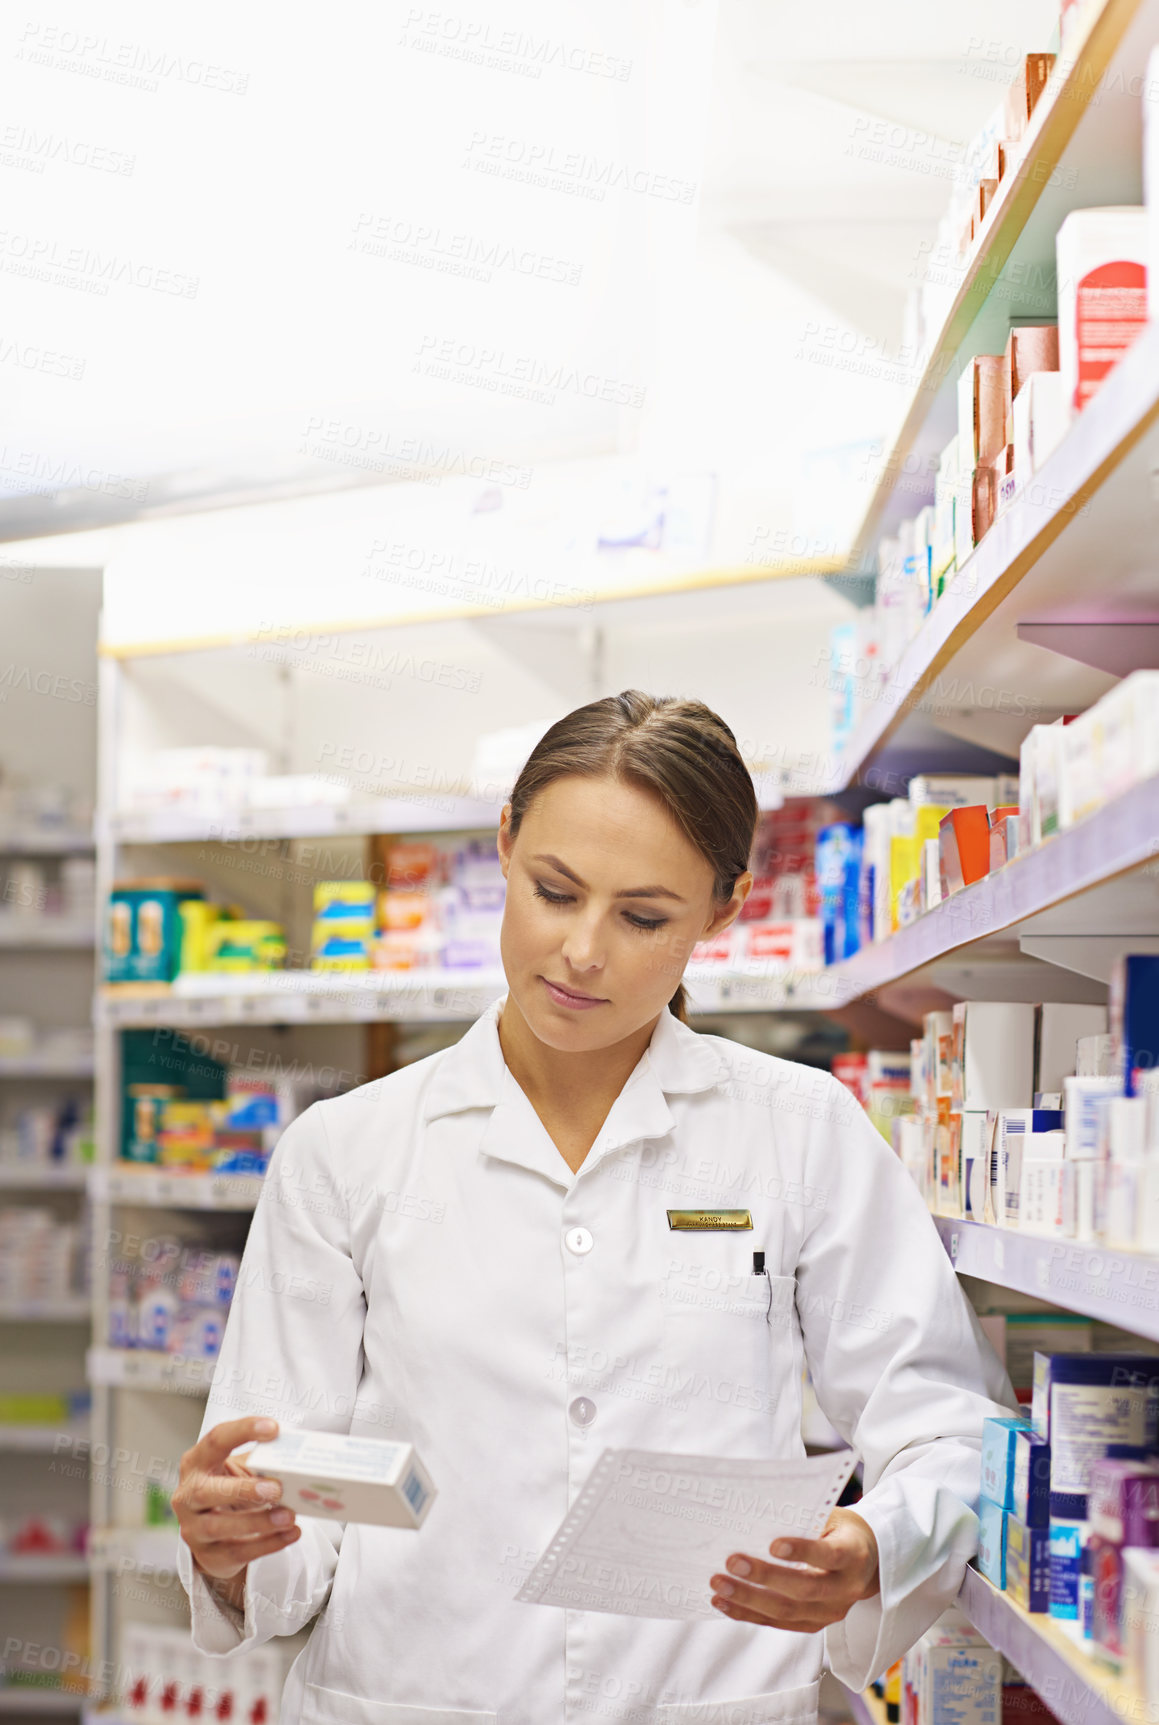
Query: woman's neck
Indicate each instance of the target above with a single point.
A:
(571, 1093)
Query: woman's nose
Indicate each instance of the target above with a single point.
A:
(582, 946)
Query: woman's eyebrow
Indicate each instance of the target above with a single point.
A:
(630, 892)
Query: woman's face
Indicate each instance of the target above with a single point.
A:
(606, 898)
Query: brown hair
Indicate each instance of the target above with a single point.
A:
(681, 751)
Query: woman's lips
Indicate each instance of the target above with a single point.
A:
(565, 997)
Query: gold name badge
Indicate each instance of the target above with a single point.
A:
(709, 1221)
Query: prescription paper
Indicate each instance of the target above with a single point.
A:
(648, 1530)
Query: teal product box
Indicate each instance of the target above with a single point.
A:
(1068, 1537)
(162, 1059)
(143, 929)
(998, 1459)
(992, 1542)
(1030, 1493)
(1028, 1564)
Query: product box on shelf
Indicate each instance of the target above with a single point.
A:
(1029, 81)
(1069, 1531)
(1030, 349)
(998, 1439)
(1134, 1016)
(963, 847)
(992, 1541)
(1084, 1403)
(1038, 422)
(1017, 1136)
(143, 928)
(993, 1054)
(1102, 294)
(1123, 1510)
(1140, 1623)
(1030, 1489)
(1028, 1564)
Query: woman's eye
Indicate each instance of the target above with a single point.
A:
(645, 921)
(551, 897)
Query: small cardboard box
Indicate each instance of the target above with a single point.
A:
(345, 1478)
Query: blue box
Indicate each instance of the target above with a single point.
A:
(998, 1459)
(1068, 1536)
(1028, 1564)
(1030, 1491)
(992, 1542)
(1133, 1008)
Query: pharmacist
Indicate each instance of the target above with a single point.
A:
(487, 1268)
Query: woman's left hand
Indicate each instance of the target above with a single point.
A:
(843, 1569)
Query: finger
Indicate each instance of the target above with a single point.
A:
(802, 1626)
(766, 1605)
(224, 1561)
(221, 1491)
(791, 1586)
(821, 1553)
(217, 1527)
(213, 1446)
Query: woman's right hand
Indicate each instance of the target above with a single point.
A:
(226, 1516)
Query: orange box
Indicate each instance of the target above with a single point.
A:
(964, 847)
(1022, 96)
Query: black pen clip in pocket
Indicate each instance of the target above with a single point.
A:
(759, 1270)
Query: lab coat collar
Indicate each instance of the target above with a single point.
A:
(473, 1074)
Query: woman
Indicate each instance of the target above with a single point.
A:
(485, 1267)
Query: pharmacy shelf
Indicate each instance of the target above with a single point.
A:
(178, 1191)
(42, 1177)
(39, 1440)
(38, 1698)
(1120, 1288)
(1090, 505)
(46, 1064)
(26, 932)
(1076, 1689)
(137, 1547)
(75, 1310)
(302, 997)
(231, 825)
(1073, 884)
(48, 1568)
(1084, 864)
(1070, 119)
(142, 1369)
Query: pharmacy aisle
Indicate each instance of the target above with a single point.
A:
(47, 933)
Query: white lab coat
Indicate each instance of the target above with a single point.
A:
(424, 1265)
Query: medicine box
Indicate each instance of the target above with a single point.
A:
(1028, 1564)
(1139, 1615)
(143, 929)
(1134, 1009)
(346, 1478)
(1030, 1490)
(993, 1054)
(998, 1459)
(1101, 257)
(992, 1541)
(1084, 1403)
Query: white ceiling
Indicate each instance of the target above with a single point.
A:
(296, 359)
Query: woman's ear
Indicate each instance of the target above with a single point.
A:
(727, 913)
(504, 840)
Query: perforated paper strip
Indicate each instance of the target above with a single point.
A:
(648, 1530)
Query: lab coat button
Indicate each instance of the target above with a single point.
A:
(582, 1411)
(579, 1241)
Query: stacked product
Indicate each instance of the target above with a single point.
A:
(1070, 1499)
(45, 1408)
(164, 1677)
(38, 811)
(779, 927)
(37, 892)
(952, 1676)
(161, 925)
(49, 1135)
(903, 845)
(182, 1109)
(33, 1535)
(171, 1295)
(208, 784)
(441, 905)
(882, 1081)
(343, 929)
(42, 1260)
(1069, 769)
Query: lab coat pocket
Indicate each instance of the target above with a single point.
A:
(332, 1707)
(777, 1707)
(730, 1337)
